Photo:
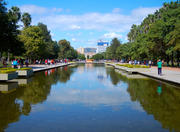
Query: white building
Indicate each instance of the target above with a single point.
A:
(89, 52)
(80, 50)
(101, 46)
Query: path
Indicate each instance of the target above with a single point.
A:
(37, 68)
(171, 75)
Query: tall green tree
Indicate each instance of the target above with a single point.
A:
(9, 29)
(14, 14)
(111, 50)
(34, 44)
(26, 19)
(51, 51)
(64, 46)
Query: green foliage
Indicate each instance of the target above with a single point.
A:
(66, 51)
(64, 46)
(158, 36)
(7, 70)
(51, 48)
(25, 68)
(8, 29)
(32, 37)
(133, 66)
(26, 19)
(111, 50)
(81, 57)
(99, 56)
(34, 42)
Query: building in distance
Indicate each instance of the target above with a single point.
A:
(101, 46)
(89, 52)
(80, 50)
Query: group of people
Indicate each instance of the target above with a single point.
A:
(50, 61)
(135, 62)
(148, 63)
(20, 63)
(159, 65)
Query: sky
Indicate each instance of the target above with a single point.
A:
(84, 22)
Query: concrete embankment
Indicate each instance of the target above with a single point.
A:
(167, 75)
(38, 68)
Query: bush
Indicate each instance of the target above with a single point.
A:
(25, 68)
(7, 70)
(133, 66)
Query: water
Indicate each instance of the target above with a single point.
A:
(89, 98)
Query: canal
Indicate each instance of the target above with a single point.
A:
(88, 98)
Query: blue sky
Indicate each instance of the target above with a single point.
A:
(84, 22)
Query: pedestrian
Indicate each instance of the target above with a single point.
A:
(21, 61)
(159, 64)
(46, 61)
(15, 63)
(4, 63)
(26, 62)
(150, 63)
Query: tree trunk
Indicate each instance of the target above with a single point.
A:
(8, 57)
(178, 56)
(172, 59)
(167, 60)
(0, 57)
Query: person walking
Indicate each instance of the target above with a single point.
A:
(26, 62)
(15, 63)
(159, 64)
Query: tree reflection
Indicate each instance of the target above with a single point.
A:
(113, 75)
(164, 106)
(160, 100)
(32, 93)
(65, 73)
(10, 110)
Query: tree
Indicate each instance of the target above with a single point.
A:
(157, 36)
(26, 19)
(81, 57)
(71, 54)
(111, 51)
(99, 56)
(8, 30)
(32, 37)
(64, 46)
(14, 14)
(5, 31)
(51, 46)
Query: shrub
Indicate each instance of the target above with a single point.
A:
(25, 68)
(133, 66)
(7, 70)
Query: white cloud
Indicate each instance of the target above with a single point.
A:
(74, 27)
(112, 35)
(57, 9)
(143, 12)
(33, 9)
(116, 10)
(114, 23)
(74, 39)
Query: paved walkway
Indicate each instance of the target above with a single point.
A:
(37, 68)
(168, 74)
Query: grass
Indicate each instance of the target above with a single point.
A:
(10, 70)
(25, 68)
(109, 62)
(7, 70)
(133, 66)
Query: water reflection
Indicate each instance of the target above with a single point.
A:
(8, 87)
(90, 98)
(164, 106)
(36, 90)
